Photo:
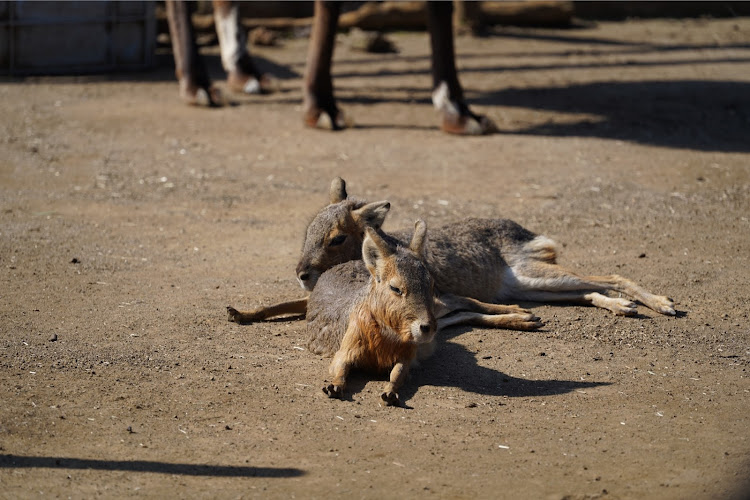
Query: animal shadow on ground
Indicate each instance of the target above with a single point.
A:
(164, 68)
(163, 71)
(684, 114)
(707, 115)
(19, 462)
(452, 365)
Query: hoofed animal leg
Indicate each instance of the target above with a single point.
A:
(320, 109)
(447, 94)
(242, 74)
(195, 85)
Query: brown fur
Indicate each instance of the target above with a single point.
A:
(387, 320)
(380, 313)
(190, 68)
(298, 307)
(322, 251)
(492, 260)
(378, 351)
(320, 106)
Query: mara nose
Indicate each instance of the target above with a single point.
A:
(303, 271)
(425, 328)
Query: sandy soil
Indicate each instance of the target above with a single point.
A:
(128, 222)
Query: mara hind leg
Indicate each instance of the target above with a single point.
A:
(548, 282)
(455, 310)
(448, 302)
(263, 313)
(614, 282)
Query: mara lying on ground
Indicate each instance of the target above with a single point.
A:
(490, 260)
(381, 313)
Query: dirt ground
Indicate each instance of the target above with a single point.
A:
(129, 221)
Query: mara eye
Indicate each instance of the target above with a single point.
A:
(396, 290)
(338, 240)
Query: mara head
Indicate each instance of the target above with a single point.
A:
(401, 289)
(336, 233)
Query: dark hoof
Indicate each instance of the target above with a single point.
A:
(242, 83)
(209, 97)
(327, 119)
(468, 125)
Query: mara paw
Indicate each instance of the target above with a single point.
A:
(662, 305)
(334, 391)
(527, 321)
(242, 317)
(618, 305)
(233, 314)
(390, 398)
(622, 307)
(533, 322)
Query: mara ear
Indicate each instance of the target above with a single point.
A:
(374, 250)
(372, 214)
(338, 190)
(420, 235)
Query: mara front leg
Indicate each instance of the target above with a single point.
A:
(339, 369)
(395, 381)
(447, 93)
(263, 313)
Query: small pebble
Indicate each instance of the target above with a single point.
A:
(53, 338)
